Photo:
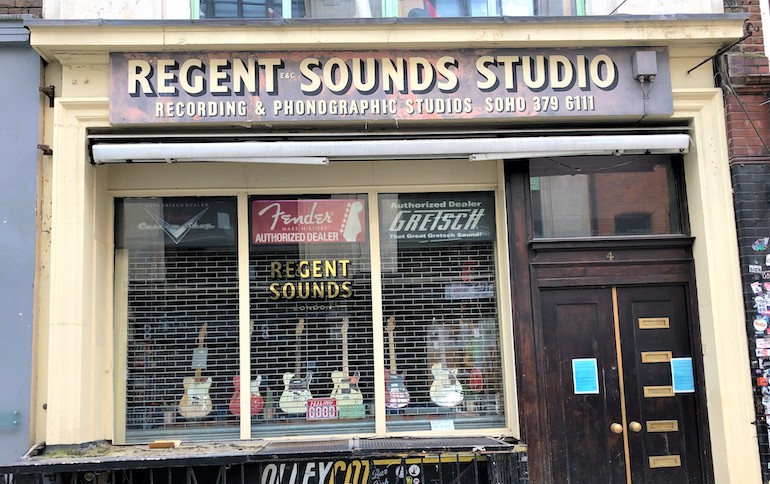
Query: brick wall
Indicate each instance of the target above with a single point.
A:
(745, 79)
(20, 7)
(746, 83)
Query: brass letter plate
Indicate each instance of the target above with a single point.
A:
(662, 426)
(653, 323)
(655, 392)
(656, 356)
(665, 461)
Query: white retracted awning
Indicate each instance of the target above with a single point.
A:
(320, 152)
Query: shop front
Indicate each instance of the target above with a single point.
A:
(394, 264)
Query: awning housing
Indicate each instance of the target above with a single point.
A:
(320, 152)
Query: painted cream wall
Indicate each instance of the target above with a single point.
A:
(76, 375)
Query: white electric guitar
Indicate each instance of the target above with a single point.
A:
(296, 390)
(196, 402)
(346, 390)
(446, 390)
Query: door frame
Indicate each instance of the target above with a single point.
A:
(586, 262)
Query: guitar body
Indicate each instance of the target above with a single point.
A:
(196, 402)
(295, 394)
(446, 390)
(346, 390)
(256, 402)
(396, 394)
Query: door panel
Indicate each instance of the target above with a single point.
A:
(659, 426)
(578, 323)
(635, 304)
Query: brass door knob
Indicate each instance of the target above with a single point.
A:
(635, 426)
(616, 428)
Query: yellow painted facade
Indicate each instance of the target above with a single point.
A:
(77, 338)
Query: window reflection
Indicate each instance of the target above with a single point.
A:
(321, 9)
(604, 196)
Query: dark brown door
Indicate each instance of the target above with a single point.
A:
(618, 385)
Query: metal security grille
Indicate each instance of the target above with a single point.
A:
(313, 359)
(311, 350)
(302, 322)
(444, 307)
(182, 323)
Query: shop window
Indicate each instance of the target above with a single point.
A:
(386, 8)
(177, 295)
(440, 299)
(604, 196)
(312, 314)
(313, 353)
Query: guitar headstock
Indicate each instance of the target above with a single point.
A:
(391, 324)
(300, 327)
(345, 324)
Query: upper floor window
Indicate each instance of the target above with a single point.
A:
(386, 8)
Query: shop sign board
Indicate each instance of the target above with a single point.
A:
(175, 221)
(421, 470)
(436, 218)
(308, 221)
(251, 87)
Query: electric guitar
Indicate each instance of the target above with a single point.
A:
(256, 403)
(446, 390)
(346, 390)
(396, 394)
(296, 390)
(196, 402)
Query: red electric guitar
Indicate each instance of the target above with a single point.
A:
(255, 404)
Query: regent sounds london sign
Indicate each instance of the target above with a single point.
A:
(227, 87)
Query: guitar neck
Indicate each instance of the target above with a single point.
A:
(392, 349)
(201, 336)
(297, 361)
(298, 332)
(441, 342)
(345, 369)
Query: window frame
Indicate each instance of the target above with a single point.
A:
(390, 9)
(379, 332)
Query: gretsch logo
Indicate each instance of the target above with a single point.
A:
(177, 231)
(277, 214)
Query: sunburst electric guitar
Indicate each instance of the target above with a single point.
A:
(446, 390)
(296, 391)
(396, 394)
(346, 390)
(196, 402)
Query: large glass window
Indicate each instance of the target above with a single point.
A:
(177, 294)
(312, 313)
(313, 355)
(385, 8)
(439, 295)
(604, 196)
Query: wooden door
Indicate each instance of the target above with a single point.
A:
(632, 425)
